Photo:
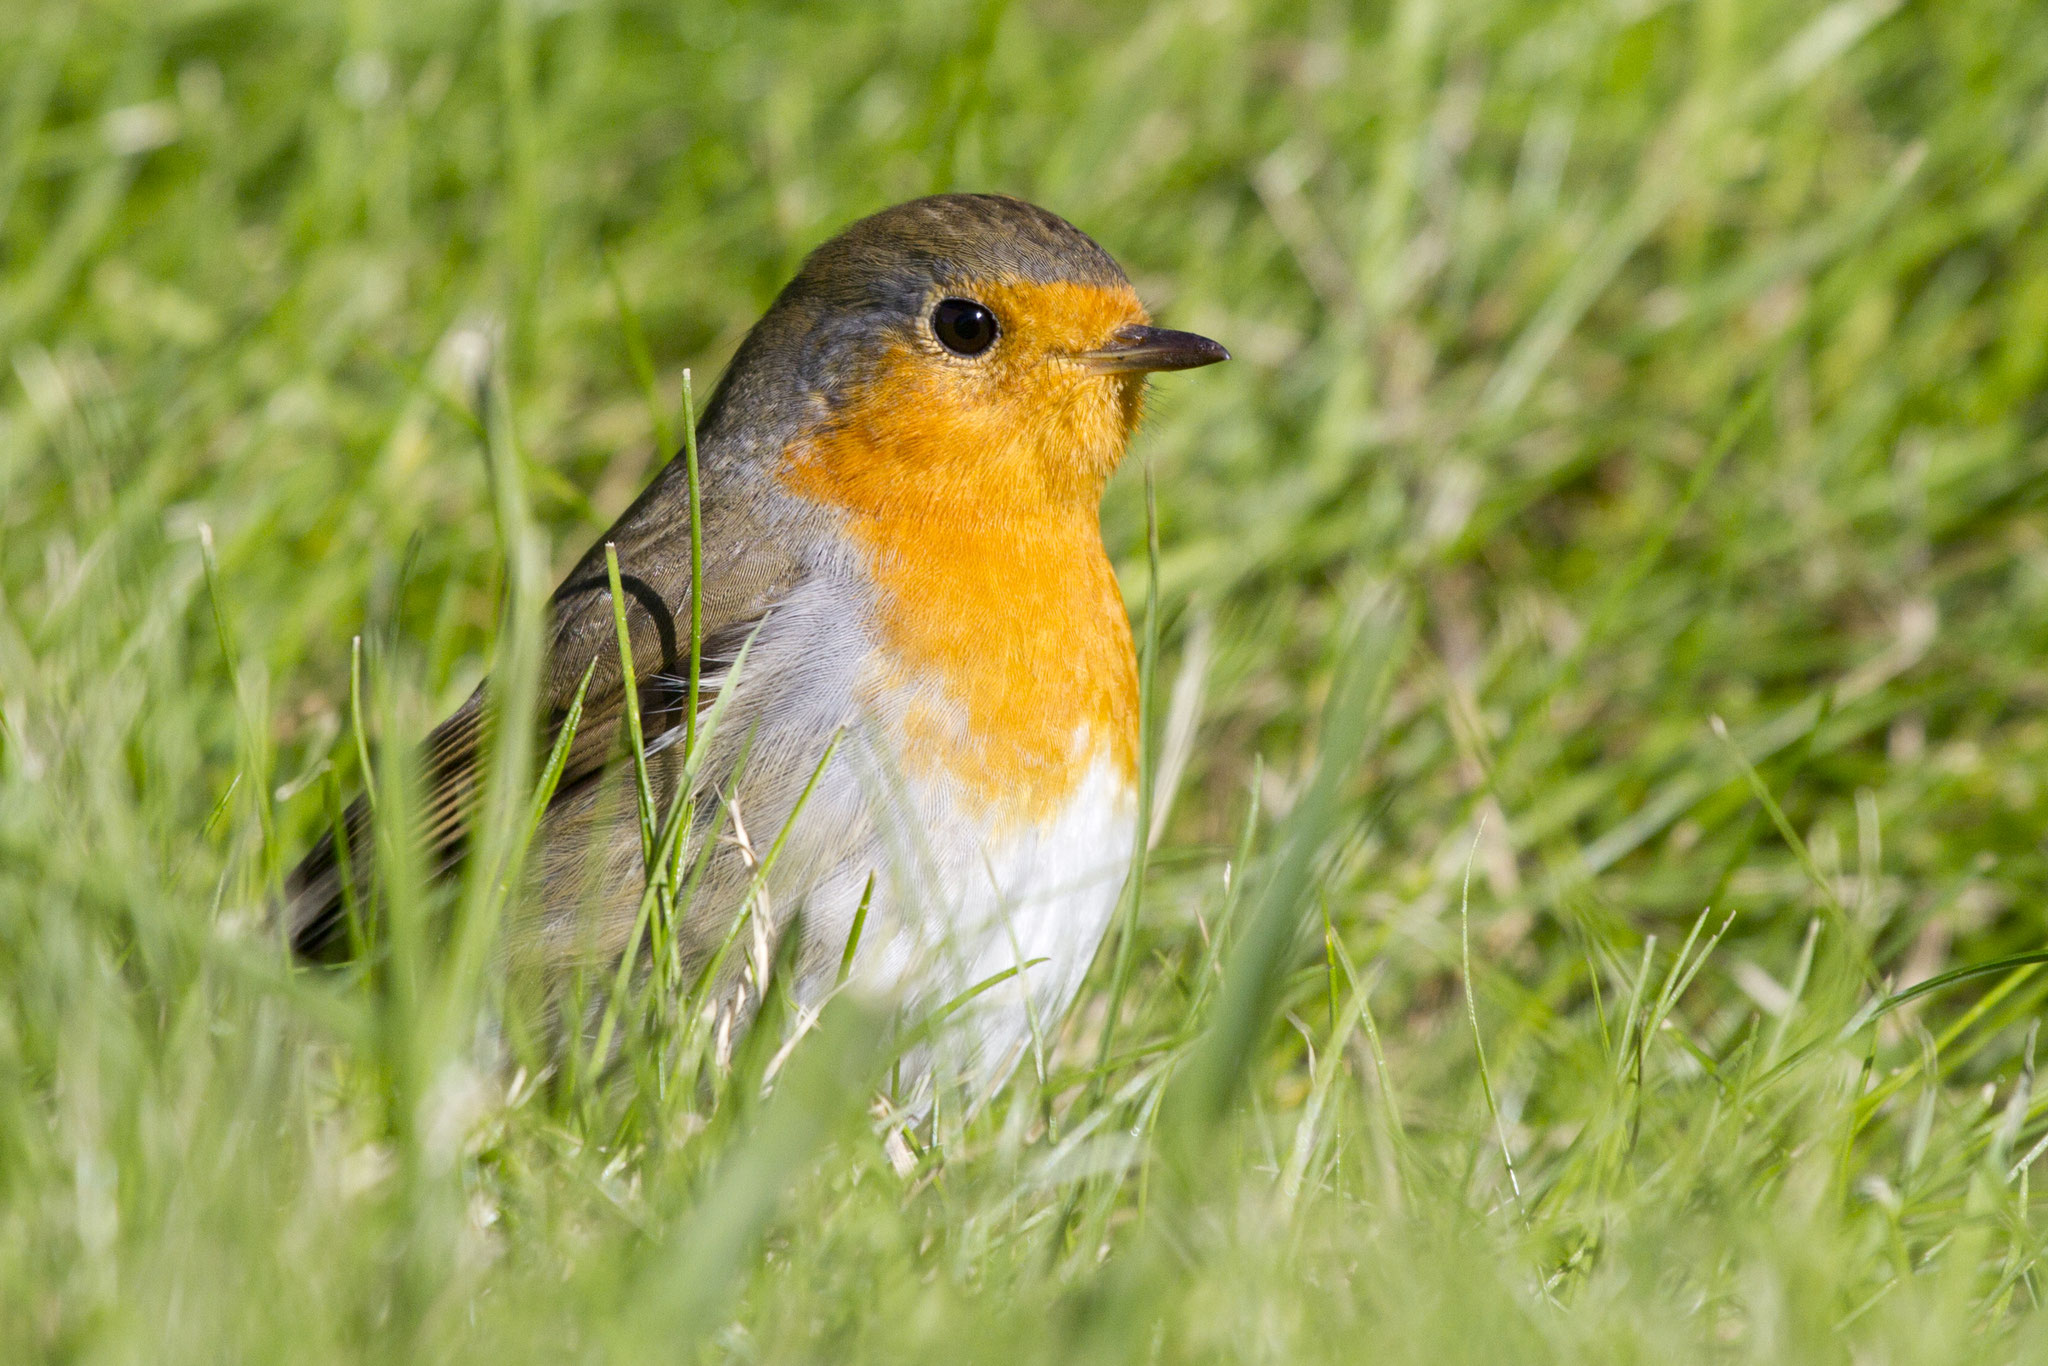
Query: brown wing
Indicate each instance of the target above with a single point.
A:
(746, 571)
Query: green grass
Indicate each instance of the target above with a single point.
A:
(1602, 370)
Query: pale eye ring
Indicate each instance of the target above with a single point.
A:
(963, 326)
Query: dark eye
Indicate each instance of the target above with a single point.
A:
(963, 326)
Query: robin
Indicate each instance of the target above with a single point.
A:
(901, 474)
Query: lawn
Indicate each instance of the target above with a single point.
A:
(1598, 668)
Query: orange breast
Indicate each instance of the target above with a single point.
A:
(1015, 643)
(972, 493)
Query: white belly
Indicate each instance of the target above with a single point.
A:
(959, 902)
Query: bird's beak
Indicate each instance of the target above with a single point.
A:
(1139, 350)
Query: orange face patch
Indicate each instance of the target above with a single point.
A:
(972, 486)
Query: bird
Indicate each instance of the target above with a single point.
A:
(924, 673)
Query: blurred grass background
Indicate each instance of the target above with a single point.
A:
(1640, 404)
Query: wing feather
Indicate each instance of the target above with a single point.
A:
(753, 571)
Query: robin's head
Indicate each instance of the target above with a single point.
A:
(960, 350)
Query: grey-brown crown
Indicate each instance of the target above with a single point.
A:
(946, 240)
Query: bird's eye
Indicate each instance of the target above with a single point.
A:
(963, 326)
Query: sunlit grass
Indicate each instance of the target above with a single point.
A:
(1601, 619)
